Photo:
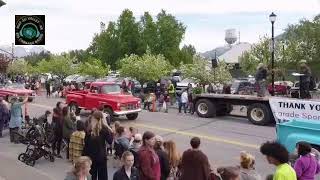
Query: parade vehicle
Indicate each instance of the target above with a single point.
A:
(258, 108)
(16, 89)
(105, 95)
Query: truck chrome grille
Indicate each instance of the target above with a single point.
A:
(131, 106)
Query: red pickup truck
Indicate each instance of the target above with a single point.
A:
(106, 95)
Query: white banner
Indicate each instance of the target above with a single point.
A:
(285, 109)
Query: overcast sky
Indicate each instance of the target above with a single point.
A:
(70, 24)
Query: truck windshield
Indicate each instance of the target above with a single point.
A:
(110, 88)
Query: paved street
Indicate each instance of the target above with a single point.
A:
(222, 138)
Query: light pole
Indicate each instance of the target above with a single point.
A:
(272, 18)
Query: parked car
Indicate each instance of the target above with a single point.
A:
(242, 87)
(184, 85)
(280, 87)
(106, 95)
(16, 89)
(71, 78)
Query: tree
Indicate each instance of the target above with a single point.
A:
(17, 67)
(93, 67)
(149, 33)
(129, 35)
(34, 58)
(202, 72)
(186, 54)
(106, 46)
(170, 33)
(145, 68)
(61, 66)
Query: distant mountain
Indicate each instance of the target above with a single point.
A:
(219, 50)
(20, 51)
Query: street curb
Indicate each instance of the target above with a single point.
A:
(12, 166)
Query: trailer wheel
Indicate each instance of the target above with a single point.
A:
(205, 108)
(74, 107)
(259, 114)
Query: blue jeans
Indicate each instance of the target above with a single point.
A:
(184, 107)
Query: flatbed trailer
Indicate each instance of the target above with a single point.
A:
(211, 105)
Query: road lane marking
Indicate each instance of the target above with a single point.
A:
(176, 131)
(210, 138)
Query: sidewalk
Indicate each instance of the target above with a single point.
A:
(12, 169)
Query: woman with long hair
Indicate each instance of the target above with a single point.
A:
(57, 120)
(149, 164)
(68, 128)
(174, 159)
(95, 146)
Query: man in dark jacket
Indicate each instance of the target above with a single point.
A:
(127, 171)
(305, 80)
(261, 77)
(195, 164)
(163, 158)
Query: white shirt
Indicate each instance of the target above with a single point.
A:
(184, 97)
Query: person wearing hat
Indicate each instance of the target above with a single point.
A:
(16, 117)
(305, 80)
(163, 157)
(4, 114)
(261, 77)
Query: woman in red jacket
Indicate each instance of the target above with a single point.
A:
(148, 159)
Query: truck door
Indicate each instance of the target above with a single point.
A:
(92, 98)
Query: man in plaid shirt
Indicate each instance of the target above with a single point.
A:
(77, 141)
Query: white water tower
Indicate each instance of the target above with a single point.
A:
(231, 36)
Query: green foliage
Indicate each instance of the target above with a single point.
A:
(61, 66)
(299, 41)
(93, 67)
(127, 36)
(202, 72)
(34, 58)
(145, 68)
(197, 90)
(17, 67)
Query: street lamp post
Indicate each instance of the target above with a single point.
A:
(272, 19)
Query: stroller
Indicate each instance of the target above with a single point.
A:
(37, 139)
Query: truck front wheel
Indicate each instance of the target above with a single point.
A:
(259, 114)
(133, 116)
(205, 108)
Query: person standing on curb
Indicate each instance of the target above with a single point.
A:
(278, 155)
(16, 118)
(127, 171)
(4, 115)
